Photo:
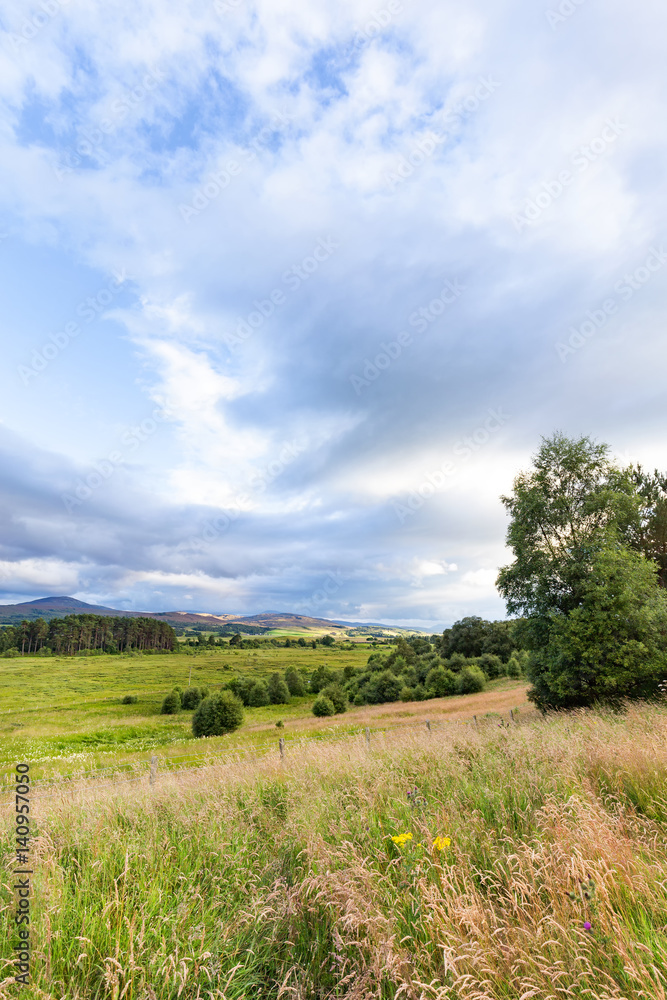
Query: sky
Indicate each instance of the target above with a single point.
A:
(291, 292)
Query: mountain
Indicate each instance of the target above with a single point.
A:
(57, 607)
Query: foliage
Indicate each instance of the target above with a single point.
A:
(336, 696)
(327, 640)
(294, 682)
(171, 703)
(440, 682)
(492, 665)
(470, 680)
(129, 699)
(323, 706)
(257, 695)
(190, 698)
(74, 633)
(278, 690)
(219, 713)
(320, 677)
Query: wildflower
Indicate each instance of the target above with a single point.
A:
(440, 843)
(587, 925)
(401, 838)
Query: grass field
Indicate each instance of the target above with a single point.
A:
(531, 862)
(65, 714)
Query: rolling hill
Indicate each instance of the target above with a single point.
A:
(267, 621)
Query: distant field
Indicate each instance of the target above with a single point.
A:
(65, 712)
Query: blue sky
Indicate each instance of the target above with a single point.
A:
(291, 292)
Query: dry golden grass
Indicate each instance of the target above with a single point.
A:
(280, 879)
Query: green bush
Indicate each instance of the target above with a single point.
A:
(471, 680)
(323, 706)
(491, 665)
(320, 678)
(10, 653)
(258, 695)
(336, 696)
(171, 703)
(129, 699)
(294, 682)
(191, 698)
(513, 666)
(221, 712)
(441, 682)
(278, 690)
(407, 694)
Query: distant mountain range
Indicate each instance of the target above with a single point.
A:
(57, 607)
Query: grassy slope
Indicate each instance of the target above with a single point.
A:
(281, 879)
(66, 712)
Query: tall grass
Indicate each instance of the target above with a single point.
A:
(273, 879)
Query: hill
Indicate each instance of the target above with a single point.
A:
(54, 607)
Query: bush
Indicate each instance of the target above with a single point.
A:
(320, 678)
(258, 695)
(386, 686)
(323, 706)
(491, 665)
(294, 682)
(171, 703)
(441, 682)
(220, 713)
(278, 690)
(457, 661)
(513, 667)
(471, 680)
(191, 698)
(407, 694)
(10, 653)
(336, 696)
(129, 699)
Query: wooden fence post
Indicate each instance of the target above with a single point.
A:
(511, 715)
(368, 736)
(475, 718)
(428, 725)
(153, 776)
(281, 747)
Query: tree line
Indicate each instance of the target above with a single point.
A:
(74, 634)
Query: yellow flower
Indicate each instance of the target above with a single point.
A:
(401, 838)
(440, 843)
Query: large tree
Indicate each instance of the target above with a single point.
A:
(574, 577)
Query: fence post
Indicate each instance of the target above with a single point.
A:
(511, 715)
(428, 725)
(475, 718)
(281, 747)
(153, 776)
(368, 736)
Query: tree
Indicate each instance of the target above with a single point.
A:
(294, 682)
(470, 680)
(336, 696)
(278, 690)
(171, 703)
(440, 682)
(648, 534)
(258, 695)
(191, 698)
(217, 714)
(595, 619)
(323, 706)
(327, 640)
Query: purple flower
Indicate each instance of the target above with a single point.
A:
(587, 925)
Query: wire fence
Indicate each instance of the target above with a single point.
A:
(150, 769)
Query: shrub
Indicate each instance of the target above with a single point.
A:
(440, 682)
(278, 690)
(513, 667)
(384, 687)
(191, 698)
(336, 696)
(171, 703)
(220, 713)
(294, 682)
(258, 695)
(129, 699)
(470, 680)
(320, 678)
(323, 706)
(491, 665)
(457, 661)
(407, 694)
(10, 653)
